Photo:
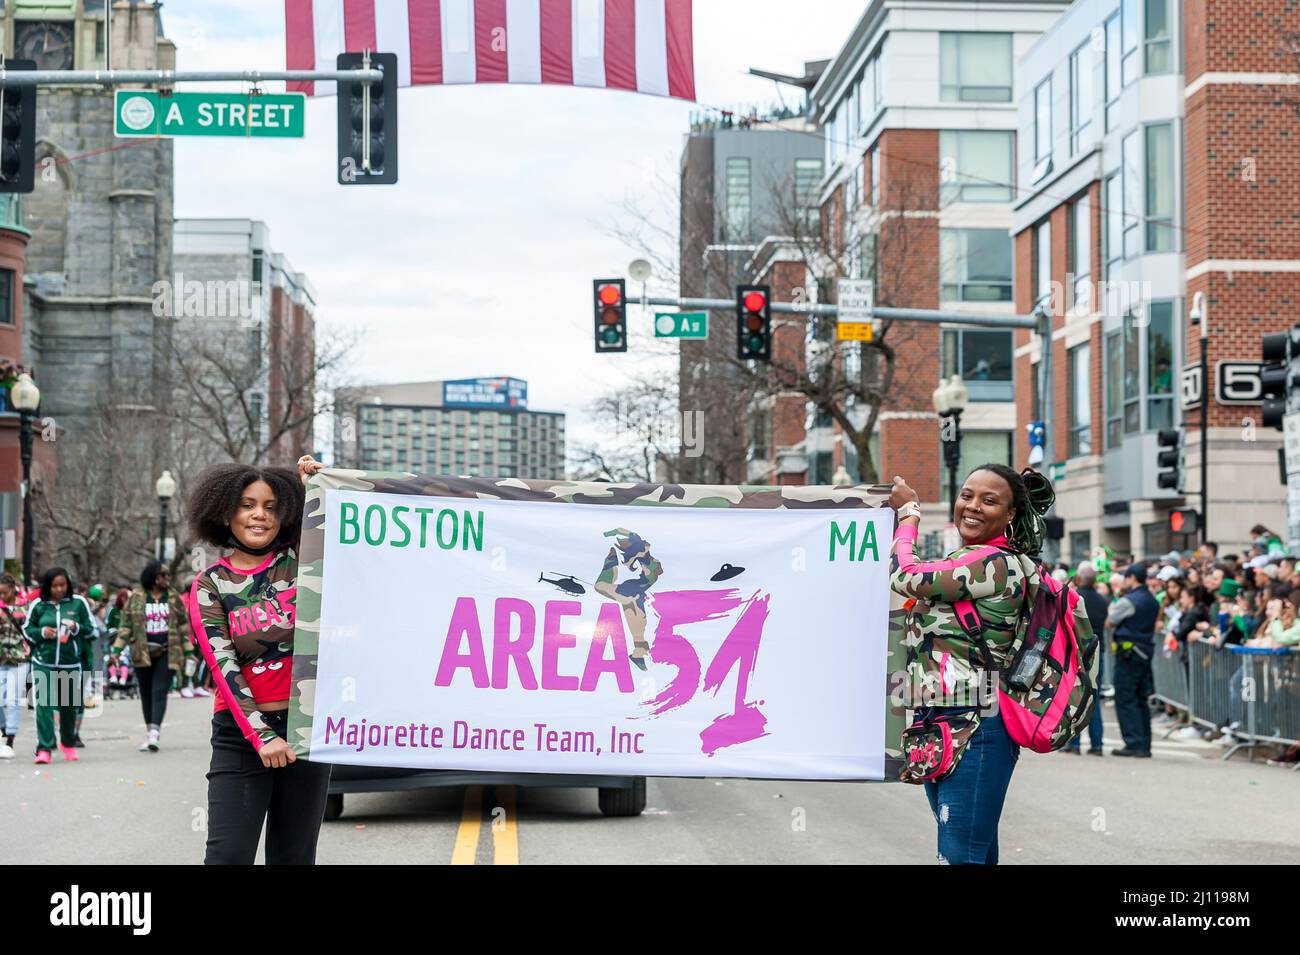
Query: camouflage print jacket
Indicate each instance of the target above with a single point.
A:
(944, 666)
(131, 630)
(13, 645)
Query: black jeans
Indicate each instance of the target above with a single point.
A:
(242, 793)
(1133, 686)
(154, 681)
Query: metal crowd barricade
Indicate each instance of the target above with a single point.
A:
(1169, 670)
(1253, 690)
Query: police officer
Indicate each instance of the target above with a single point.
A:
(1133, 619)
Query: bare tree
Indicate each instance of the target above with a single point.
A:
(242, 406)
(643, 439)
(99, 517)
(851, 382)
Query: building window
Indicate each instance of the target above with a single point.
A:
(1114, 225)
(975, 265)
(1156, 37)
(1160, 187)
(1081, 252)
(1043, 128)
(738, 198)
(6, 297)
(984, 359)
(874, 156)
(975, 67)
(1080, 96)
(1080, 412)
(1128, 28)
(1160, 366)
(977, 447)
(1081, 547)
(1131, 167)
(976, 166)
(1042, 260)
(1113, 84)
(876, 70)
(1114, 405)
(807, 177)
(1132, 375)
(866, 257)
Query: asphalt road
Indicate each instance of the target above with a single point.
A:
(1184, 805)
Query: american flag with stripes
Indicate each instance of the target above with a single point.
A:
(640, 45)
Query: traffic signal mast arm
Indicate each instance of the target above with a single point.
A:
(925, 315)
(167, 78)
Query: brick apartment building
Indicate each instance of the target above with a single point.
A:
(921, 125)
(1156, 162)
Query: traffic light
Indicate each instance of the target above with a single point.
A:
(1184, 522)
(1170, 475)
(377, 163)
(1281, 351)
(611, 315)
(754, 322)
(18, 133)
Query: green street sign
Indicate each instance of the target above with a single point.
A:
(1057, 471)
(681, 324)
(146, 113)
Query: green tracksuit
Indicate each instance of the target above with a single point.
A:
(57, 667)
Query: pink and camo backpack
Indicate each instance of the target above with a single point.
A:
(1047, 693)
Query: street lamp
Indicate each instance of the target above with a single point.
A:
(950, 400)
(25, 396)
(166, 488)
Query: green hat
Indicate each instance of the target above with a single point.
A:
(96, 592)
(1229, 588)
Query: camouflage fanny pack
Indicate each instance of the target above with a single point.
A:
(935, 743)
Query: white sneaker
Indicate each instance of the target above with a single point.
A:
(199, 691)
(6, 751)
(151, 742)
(1187, 732)
(187, 693)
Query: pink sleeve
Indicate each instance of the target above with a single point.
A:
(207, 620)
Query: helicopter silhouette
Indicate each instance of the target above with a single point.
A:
(565, 582)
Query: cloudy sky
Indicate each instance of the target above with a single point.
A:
(480, 260)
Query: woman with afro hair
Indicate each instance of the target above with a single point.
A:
(242, 610)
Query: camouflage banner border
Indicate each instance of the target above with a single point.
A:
(311, 551)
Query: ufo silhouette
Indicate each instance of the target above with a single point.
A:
(726, 572)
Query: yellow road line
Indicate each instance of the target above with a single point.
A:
(505, 834)
(471, 820)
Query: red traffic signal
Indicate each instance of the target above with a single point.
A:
(1184, 521)
(753, 323)
(610, 304)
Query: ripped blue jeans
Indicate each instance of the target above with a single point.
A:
(968, 803)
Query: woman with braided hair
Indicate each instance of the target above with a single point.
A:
(951, 677)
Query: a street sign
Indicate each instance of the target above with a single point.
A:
(681, 325)
(855, 332)
(1191, 386)
(1291, 442)
(147, 113)
(1057, 472)
(1238, 383)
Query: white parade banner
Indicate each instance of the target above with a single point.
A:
(500, 635)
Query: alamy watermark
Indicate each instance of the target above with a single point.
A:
(179, 297)
(662, 429)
